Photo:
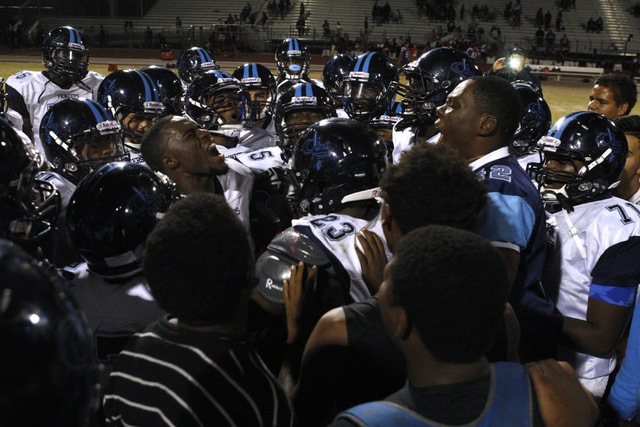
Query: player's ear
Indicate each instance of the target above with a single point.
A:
(488, 125)
(622, 108)
(170, 162)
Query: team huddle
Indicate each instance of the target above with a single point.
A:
(250, 248)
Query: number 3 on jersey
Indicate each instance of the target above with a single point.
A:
(331, 232)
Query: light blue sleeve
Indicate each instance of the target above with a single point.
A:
(625, 393)
(507, 219)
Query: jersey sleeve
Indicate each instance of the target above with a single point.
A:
(616, 274)
(507, 220)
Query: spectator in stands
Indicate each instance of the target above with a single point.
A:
(338, 29)
(540, 37)
(591, 25)
(539, 18)
(178, 24)
(613, 95)
(547, 20)
(550, 39)
(564, 43)
(326, 29)
(598, 25)
(559, 21)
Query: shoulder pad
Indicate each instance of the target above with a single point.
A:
(274, 266)
(21, 75)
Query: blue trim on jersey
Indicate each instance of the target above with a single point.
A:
(619, 265)
(623, 297)
(97, 111)
(507, 218)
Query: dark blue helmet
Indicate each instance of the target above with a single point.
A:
(28, 206)
(432, 77)
(131, 97)
(535, 122)
(193, 62)
(336, 161)
(261, 85)
(64, 54)
(128, 199)
(596, 149)
(293, 59)
(333, 74)
(49, 377)
(171, 89)
(79, 135)
(369, 87)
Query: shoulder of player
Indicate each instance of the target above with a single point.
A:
(92, 78)
(613, 218)
(21, 78)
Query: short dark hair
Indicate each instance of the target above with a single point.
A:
(154, 144)
(496, 96)
(453, 286)
(630, 125)
(623, 87)
(197, 259)
(432, 184)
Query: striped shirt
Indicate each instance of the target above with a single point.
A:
(170, 376)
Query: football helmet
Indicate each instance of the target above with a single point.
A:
(171, 89)
(535, 122)
(79, 136)
(261, 86)
(301, 106)
(193, 62)
(64, 54)
(333, 74)
(134, 100)
(217, 102)
(594, 147)
(49, 375)
(384, 124)
(336, 161)
(128, 199)
(432, 77)
(369, 86)
(28, 206)
(292, 59)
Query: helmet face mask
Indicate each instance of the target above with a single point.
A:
(582, 157)
(301, 106)
(28, 206)
(293, 59)
(64, 54)
(260, 86)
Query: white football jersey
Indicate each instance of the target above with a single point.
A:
(609, 232)
(257, 160)
(35, 93)
(237, 185)
(336, 234)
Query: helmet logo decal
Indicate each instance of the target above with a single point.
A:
(295, 68)
(317, 149)
(462, 69)
(145, 202)
(609, 140)
(536, 107)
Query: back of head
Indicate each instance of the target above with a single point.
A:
(432, 184)
(48, 373)
(28, 206)
(198, 260)
(496, 96)
(333, 73)
(336, 161)
(623, 87)
(111, 213)
(630, 125)
(64, 54)
(453, 286)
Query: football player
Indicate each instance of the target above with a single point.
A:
(66, 59)
(193, 62)
(598, 236)
(332, 78)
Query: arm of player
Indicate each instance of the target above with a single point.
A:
(372, 259)
(561, 398)
(600, 332)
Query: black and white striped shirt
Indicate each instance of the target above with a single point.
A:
(169, 376)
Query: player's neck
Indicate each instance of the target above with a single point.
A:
(627, 190)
